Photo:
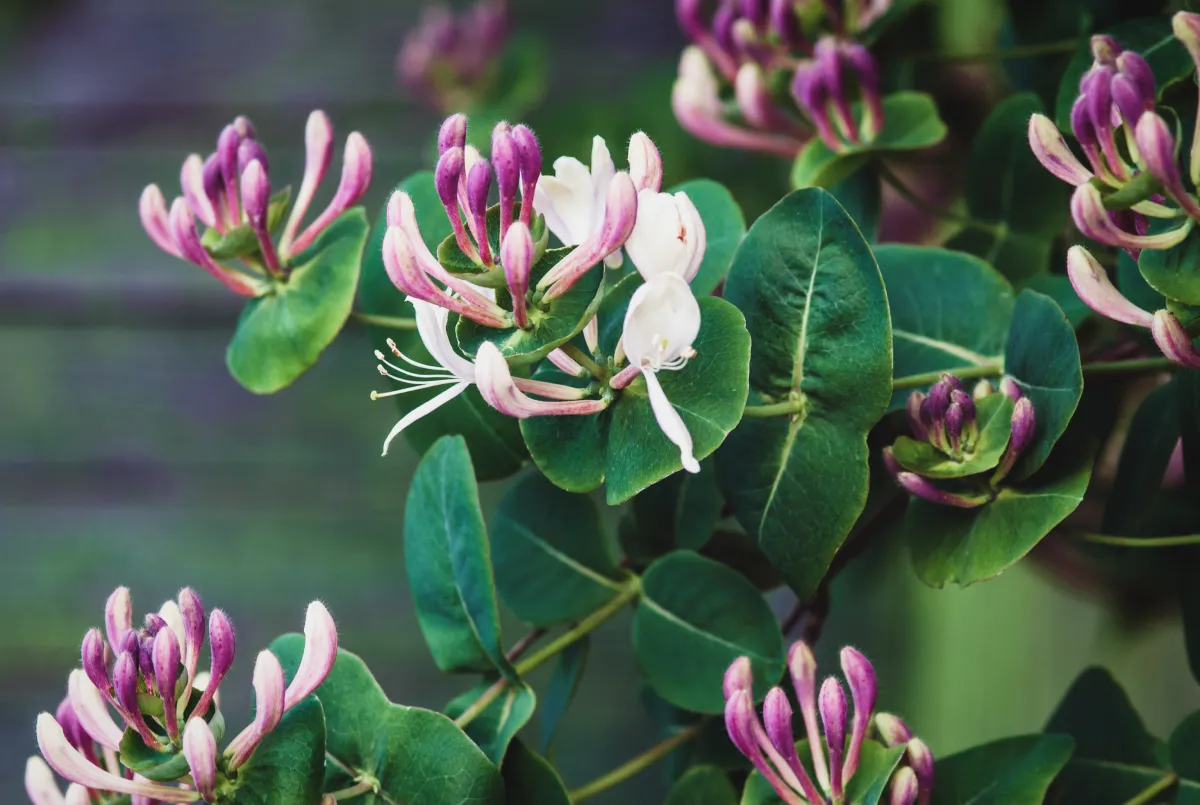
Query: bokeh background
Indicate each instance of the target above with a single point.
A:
(128, 455)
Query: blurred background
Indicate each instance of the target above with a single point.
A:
(129, 456)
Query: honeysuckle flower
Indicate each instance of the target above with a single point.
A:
(1174, 341)
(232, 189)
(1157, 147)
(1110, 227)
(1093, 287)
(819, 88)
(662, 321)
(499, 389)
(772, 749)
(449, 60)
(81, 741)
(668, 237)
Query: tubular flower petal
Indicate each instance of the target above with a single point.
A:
(1053, 152)
(668, 236)
(1092, 285)
(320, 651)
(498, 389)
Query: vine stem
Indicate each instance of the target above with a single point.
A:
(785, 408)
(1114, 367)
(631, 590)
(361, 787)
(1140, 542)
(924, 206)
(395, 322)
(965, 373)
(1151, 791)
(584, 360)
(637, 764)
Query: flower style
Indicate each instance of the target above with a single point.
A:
(772, 748)
(449, 60)
(230, 194)
(148, 667)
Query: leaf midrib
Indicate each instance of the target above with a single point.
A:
(561, 557)
(671, 616)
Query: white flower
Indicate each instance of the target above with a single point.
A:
(661, 323)
(668, 237)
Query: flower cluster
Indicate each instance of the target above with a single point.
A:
(230, 194)
(595, 212)
(449, 60)
(149, 677)
(946, 419)
(1135, 198)
(754, 45)
(770, 744)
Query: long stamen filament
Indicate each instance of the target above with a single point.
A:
(408, 372)
(375, 395)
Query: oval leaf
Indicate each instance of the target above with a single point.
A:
(494, 728)
(815, 302)
(695, 618)
(1013, 771)
(530, 780)
(1173, 272)
(561, 688)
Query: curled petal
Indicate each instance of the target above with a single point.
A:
(357, 167)
(92, 712)
(152, 209)
(1174, 340)
(1092, 285)
(645, 163)
(1087, 209)
(1053, 152)
(670, 422)
(191, 180)
(668, 236)
(498, 389)
(200, 749)
(320, 651)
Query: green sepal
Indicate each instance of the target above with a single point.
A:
(994, 416)
(241, 240)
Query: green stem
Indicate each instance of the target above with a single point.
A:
(395, 322)
(1003, 54)
(1151, 791)
(637, 764)
(631, 590)
(1141, 542)
(583, 359)
(907, 193)
(962, 373)
(787, 407)
(1113, 367)
(361, 787)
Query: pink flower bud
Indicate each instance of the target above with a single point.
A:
(152, 209)
(227, 150)
(1053, 152)
(620, 216)
(166, 674)
(453, 133)
(268, 709)
(191, 179)
(507, 163)
(1023, 425)
(256, 194)
(125, 683)
(921, 761)
(251, 151)
(479, 184)
(92, 712)
(40, 785)
(1105, 49)
(320, 652)
(222, 645)
(1174, 340)
(191, 609)
(1133, 87)
(200, 750)
(1157, 145)
(802, 666)
(1097, 223)
(892, 730)
(786, 24)
(832, 704)
(777, 717)
(1092, 285)
(1010, 388)
(860, 676)
(94, 663)
(183, 232)
(738, 677)
(118, 616)
(645, 163)
(318, 153)
(530, 154)
(904, 787)
(516, 255)
(357, 167)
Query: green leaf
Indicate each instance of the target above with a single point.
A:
(1008, 188)
(1173, 272)
(709, 393)
(815, 302)
(866, 787)
(530, 779)
(1058, 287)
(1188, 562)
(494, 439)
(702, 785)
(1011, 771)
(1152, 37)
(994, 415)
(911, 122)
(1151, 439)
(740, 552)
(861, 196)
(677, 512)
(552, 559)
(417, 756)
(724, 228)
(550, 325)
(1043, 357)
(1184, 747)
(288, 767)
(163, 766)
(494, 728)
(448, 563)
(281, 334)
(562, 687)
(969, 545)
(695, 618)
(1134, 286)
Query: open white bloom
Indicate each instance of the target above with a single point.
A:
(668, 237)
(661, 323)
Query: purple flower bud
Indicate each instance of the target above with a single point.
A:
(453, 133)
(691, 21)
(166, 675)
(72, 729)
(530, 154)
(145, 658)
(516, 255)
(860, 676)
(904, 787)
(966, 401)
(1105, 49)
(755, 11)
(94, 664)
(777, 716)
(244, 127)
(192, 611)
(832, 704)
(955, 421)
(938, 401)
(223, 645)
(722, 25)
(1131, 91)
(256, 197)
(739, 717)
(125, 682)
(153, 623)
(892, 730)
(1023, 425)
(507, 164)
(118, 616)
(863, 63)
(250, 151)
(479, 184)
(227, 159)
(1174, 340)
(921, 761)
(1011, 388)
(130, 642)
(787, 24)
(446, 176)
(738, 677)
(1084, 131)
(923, 488)
(1157, 145)
(200, 749)
(913, 409)
(802, 666)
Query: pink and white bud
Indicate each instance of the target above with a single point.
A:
(152, 209)
(530, 154)
(1157, 147)
(645, 163)
(860, 676)
(516, 255)
(453, 133)
(832, 704)
(802, 666)
(921, 761)
(166, 673)
(256, 199)
(222, 644)
(318, 153)
(191, 179)
(566, 364)
(268, 709)
(357, 167)
(892, 730)
(1092, 285)
(320, 652)
(498, 389)
(1010, 388)
(69, 763)
(738, 676)
(118, 616)
(89, 707)
(227, 150)
(40, 785)
(200, 750)
(1052, 151)
(1174, 340)
(904, 787)
(777, 718)
(741, 722)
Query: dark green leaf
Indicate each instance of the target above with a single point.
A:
(530, 780)
(418, 757)
(995, 426)
(1188, 562)
(1173, 272)
(1134, 286)
(570, 450)
(561, 689)
(281, 334)
(696, 618)
(552, 558)
(1008, 188)
(1012, 771)
(1043, 357)
(740, 552)
(1097, 713)
(1058, 287)
(288, 767)
(813, 296)
(498, 724)
(911, 122)
(677, 512)
(702, 785)
(1149, 442)
(724, 228)
(969, 545)
(448, 563)
(1184, 747)
(949, 310)
(1152, 37)
(861, 196)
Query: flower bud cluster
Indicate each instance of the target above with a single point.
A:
(149, 677)
(835, 736)
(229, 193)
(754, 45)
(946, 419)
(450, 60)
